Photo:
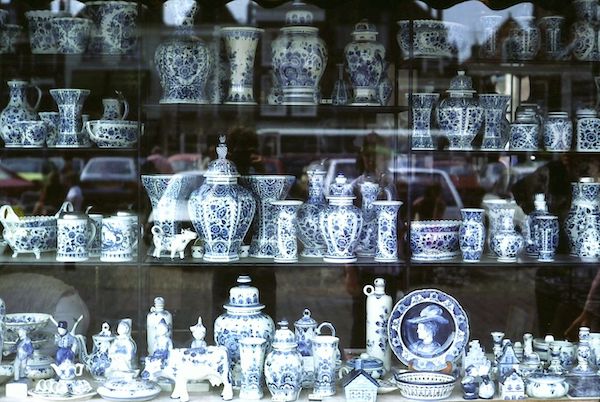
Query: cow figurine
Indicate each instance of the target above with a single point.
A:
(185, 364)
(177, 243)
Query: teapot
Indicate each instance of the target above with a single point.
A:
(67, 370)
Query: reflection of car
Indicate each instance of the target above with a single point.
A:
(185, 162)
(417, 179)
(110, 182)
(12, 186)
(34, 168)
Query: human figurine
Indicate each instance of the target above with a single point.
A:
(65, 341)
(486, 385)
(105, 331)
(122, 351)
(198, 332)
(469, 383)
(162, 342)
(24, 353)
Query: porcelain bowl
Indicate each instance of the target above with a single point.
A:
(114, 133)
(424, 385)
(431, 38)
(434, 240)
(33, 234)
(546, 386)
(30, 322)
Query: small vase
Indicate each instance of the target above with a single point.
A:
(17, 108)
(339, 96)
(506, 243)
(585, 201)
(472, 234)
(558, 132)
(285, 217)
(546, 237)
(387, 230)
(552, 30)
(422, 107)
(494, 112)
(240, 43)
(70, 104)
(588, 243)
(252, 360)
(325, 353)
(283, 366)
(490, 25)
(367, 241)
(308, 215)
(305, 330)
(525, 39)
(494, 209)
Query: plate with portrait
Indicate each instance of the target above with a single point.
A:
(428, 329)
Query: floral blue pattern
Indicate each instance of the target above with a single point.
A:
(472, 234)
(434, 240)
(308, 216)
(70, 104)
(585, 202)
(240, 43)
(387, 230)
(41, 36)
(422, 106)
(587, 134)
(494, 121)
(114, 29)
(71, 35)
(17, 109)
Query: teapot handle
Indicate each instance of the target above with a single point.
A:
(328, 325)
(7, 214)
(39, 97)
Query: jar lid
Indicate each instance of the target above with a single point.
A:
(221, 168)
(461, 83)
(306, 321)
(364, 27)
(341, 188)
(365, 362)
(244, 295)
(299, 14)
(284, 338)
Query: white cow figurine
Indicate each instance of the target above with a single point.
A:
(178, 242)
(186, 364)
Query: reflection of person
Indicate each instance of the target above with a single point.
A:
(74, 193)
(428, 322)
(24, 352)
(431, 205)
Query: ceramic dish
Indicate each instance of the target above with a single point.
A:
(128, 390)
(434, 240)
(28, 321)
(428, 328)
(60, 398)
(425, 386)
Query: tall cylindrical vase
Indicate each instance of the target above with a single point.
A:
(70, 105)
(252, 358)
(240, 43)
(422, 106)
(287, 243)
(367, 241)
(552, 31)
(545, 236)
(379, 306)
(387, 230)
(493, 211)
(585, 201)
(472, 234)
(494, 123)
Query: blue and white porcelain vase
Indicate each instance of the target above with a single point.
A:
(490, 24)
(325, 355)
(379, 307)
(585, 43)
(460, 116)
(305, 330)
(266, 188)
(524, 132)
(386, 239)
(309, 232)
(184, 63)
(524, 39)
(422, 107)
(558, 132)
(340, 223)
(506, 243)
(242, 319)
(365, 60)
(155, 186)
(252, 361)
(17, 108)
(552, 27)
(495, 135)
(587, 127)
(385, 88)
(283, 366)
(588, 243)
(114, 29)
(240, 43)
(585, 201)
(493, 209)
(546, 237)
(472, 234)
(52, 120)
(71, 34)
(367, 241)
(70, 105)
(221, 210)
(285, 222)
(529, 228)
(299, 57)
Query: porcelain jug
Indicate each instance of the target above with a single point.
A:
(18, 108)
(115, 109)
(325, 353)
(308, 214)
(379, 307)
(97, 361)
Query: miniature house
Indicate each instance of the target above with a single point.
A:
(507, 362)
(513, 387)
(359, 386)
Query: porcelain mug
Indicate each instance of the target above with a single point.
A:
(118, 240)
(325, 354)
(33, 133)
(136, 228)
(75, 235)
(115, 109)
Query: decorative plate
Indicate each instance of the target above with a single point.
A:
(128, 390)
(427, 329)
(62, 398)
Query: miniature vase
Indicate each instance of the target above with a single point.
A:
(153, 318)
(221, 210)
(339, 95)
(365, 61)
(506, 243)
(585, 201)
(286, 222)
(588, 124)
(325, 354)
(552, 27)
(529, 228)
(242, 319)
(472, 234)
(490, 25)
(367, 240)
(422, 107)
(299, 57)
(305, 330)
(308, 215)
(240, 43)
(379, 307)
(524, 39)
(524, 132)
(70, 104)
(588, 243)
(340, 223)
(17, 109)
(114, 29)
(546, 237)
(386, 249)
(494, 121)
(283, 366)
(460, 116)
(558, 132)
(266, 188)
(252, 360)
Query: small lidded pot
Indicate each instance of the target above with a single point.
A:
(545, 386)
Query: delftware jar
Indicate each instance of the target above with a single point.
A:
(506, 242)
(587, 127)
(588, 242)
(379, 307)
(305, 330)
(367, 241)
(365, 60)
(340, 223)
(221, 210)
(460, 116)
(299, 57)
(546, 236)
(17, 108)
(252, 361)
(286, 221)
(325, 354)
(308, 214)
(558, 132)
(242, 319)
(585, 201)
(283, 366)
(472, 234)
(524, 132)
